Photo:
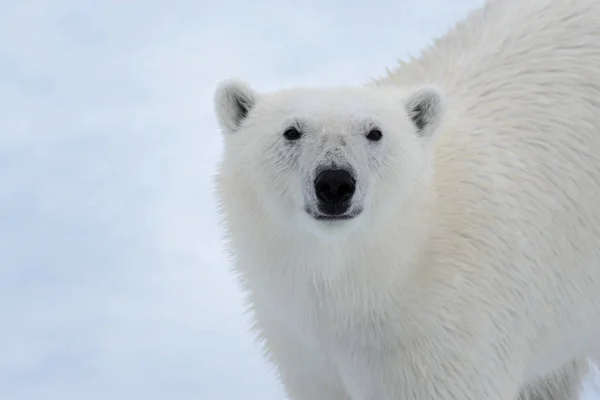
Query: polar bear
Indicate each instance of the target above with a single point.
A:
(434, 233)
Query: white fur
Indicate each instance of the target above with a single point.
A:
(473, 270)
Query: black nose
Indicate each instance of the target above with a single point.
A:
(334, 189)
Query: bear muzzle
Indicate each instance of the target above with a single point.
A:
(334, 189)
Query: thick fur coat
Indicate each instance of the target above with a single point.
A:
(457, 253)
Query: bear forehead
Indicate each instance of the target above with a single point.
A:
(346, 104)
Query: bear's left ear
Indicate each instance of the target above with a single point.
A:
(234, 99)
(425, 107)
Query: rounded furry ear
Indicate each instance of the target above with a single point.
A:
(425, 107)
(234, 99)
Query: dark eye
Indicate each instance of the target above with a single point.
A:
(292, 134)
(374, 135)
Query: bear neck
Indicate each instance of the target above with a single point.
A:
(369, 263)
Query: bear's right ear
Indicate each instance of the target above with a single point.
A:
(233, 101)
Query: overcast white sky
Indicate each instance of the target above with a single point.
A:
(113, 283)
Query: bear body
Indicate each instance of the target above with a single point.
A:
(434, 234)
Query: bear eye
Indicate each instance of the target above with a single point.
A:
(374, 135)
(292, 133)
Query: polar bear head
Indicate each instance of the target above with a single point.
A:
(330, 159)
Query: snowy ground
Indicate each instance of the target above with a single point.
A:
(112, 279)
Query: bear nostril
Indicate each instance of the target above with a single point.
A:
(345, 192)
(324, 192)
(334, 187)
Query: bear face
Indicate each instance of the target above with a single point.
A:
(327, 159)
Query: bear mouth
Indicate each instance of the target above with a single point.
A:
(328, 217)
(333, 217)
